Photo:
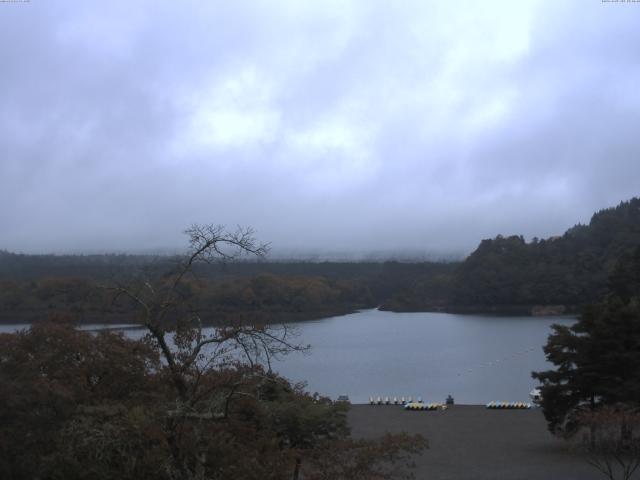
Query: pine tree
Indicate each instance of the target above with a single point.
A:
(598, 358)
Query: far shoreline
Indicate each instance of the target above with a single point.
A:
(113, 321)
(495, 310)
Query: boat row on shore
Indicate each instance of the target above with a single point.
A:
(419, 404)
(425, 406)
(393, 400)
(508, 405)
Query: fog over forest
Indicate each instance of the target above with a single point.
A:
(336, 126)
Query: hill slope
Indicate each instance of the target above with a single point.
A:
(509, 274)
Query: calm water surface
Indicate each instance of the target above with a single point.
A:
(474, 358)
(372, 353)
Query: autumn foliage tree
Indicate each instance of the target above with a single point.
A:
(183, 402)
(49, 374)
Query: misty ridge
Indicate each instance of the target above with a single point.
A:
(276, 254)
(506, 274)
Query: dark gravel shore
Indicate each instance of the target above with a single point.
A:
(472, 442)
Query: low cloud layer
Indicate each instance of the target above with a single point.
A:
(333, 125)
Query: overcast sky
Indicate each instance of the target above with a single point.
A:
(333, 125)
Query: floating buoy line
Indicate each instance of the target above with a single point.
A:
(418, 404)
(497, 362)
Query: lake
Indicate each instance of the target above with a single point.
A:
(475, 358)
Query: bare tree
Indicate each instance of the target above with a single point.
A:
(189, 350)
(610, 439)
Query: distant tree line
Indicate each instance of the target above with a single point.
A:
(263, 298)
(505, 274)
(32, 287)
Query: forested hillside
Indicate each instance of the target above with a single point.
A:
(35, 286)
(510, 274)
(504, 274)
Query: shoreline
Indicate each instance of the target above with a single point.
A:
(495, 310)
(285, 317)
(475, 443)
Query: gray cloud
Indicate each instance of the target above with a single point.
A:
(326, 125)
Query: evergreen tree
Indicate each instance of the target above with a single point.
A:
(598, 358)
